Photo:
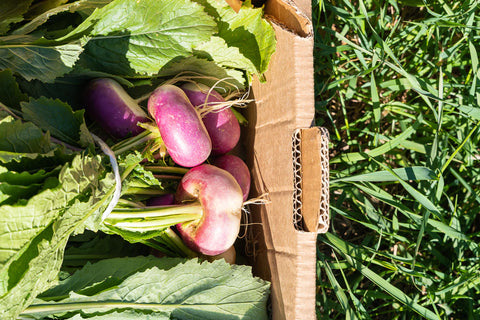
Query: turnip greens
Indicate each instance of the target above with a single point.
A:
(55, 182)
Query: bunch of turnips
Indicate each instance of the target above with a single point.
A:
(191, 125)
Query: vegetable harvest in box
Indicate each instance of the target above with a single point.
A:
(111, 149)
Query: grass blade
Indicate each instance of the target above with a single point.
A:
(409, 173)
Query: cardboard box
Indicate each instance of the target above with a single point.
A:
(289, 162)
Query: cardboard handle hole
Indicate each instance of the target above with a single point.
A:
(311, 179)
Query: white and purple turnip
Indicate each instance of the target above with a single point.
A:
(222, 200)
(207, 212)
(181, 128)
(107, 103)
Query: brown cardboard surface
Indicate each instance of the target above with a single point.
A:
(284, 103)
(305, 6)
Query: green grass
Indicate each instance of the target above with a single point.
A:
(398, 87)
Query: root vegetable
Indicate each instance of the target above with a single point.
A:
(181, 128)
(107, 103)
(238, 169)
(221, 199)
(222, 125)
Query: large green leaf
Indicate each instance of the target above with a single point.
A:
(188, 290)
(11, 193)
(94, 278)
(22, 185)
(25, 178)
(246, 30)
(140, 37)
(39, 62)
(33, 236)
(24, 147)
(126, 315)
(229, 57)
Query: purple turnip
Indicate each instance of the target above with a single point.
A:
(221, 123)
(238, 169)
(107, 103)
(181, 128)
(221, 199)
(161, 200)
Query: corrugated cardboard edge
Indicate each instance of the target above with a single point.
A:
(284, 103)
(311, 179)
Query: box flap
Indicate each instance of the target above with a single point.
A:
(292, 15)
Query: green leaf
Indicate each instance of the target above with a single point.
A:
(245, 30)
(33, 236)
(218, 51)
(471, 111)
(140, 37)
(56, 117)
(101, 246)
(188, 290)
(11, 11)
(11, 193)
(39, 62)
(50, 9)
(377, 110)
(10, 94)
(22, 137)
(24, 147)
(39, 7)
(233, 79)
(35, 161)
(25, 178)
(126, 315)
(22, 185)
(94, 278)
(138, 177)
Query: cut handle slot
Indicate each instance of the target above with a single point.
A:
(311, 178)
